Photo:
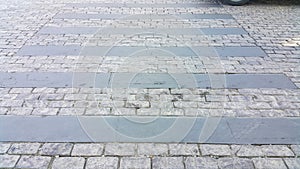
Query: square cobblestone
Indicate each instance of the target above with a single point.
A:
(152, 149)
(34, 162)
(24, 148)
(263, 163)
(235, 163)
(120, 149)
(135, 163)
(201, 162)
(87, 149)
(8, 161)
(292, 163)
(102, 162)
(56, 149)
(167, 162)
(4, 147)
(68, 162)
(216, 150)
(184, 149)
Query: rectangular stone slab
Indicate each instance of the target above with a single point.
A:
(144, 80)
(132, 31)
(86, 16)
(143, 5)
(226, 130)
(73, 50)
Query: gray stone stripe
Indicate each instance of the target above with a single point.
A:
(143, 5)
(144, 80)
(226, 130)
(36, 50)
(132, 31)
(140, 16)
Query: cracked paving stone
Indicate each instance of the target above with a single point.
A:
(68, 162)
(102, 162)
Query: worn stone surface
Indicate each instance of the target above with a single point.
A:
(68, 162)
(33, 162)
(8, 161)
(56, 149)
(268, 163)
(168, 162)
(87, 149)
(120, 149)
(102, 162)
(135, 162)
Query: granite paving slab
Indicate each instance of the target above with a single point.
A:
(226, 130)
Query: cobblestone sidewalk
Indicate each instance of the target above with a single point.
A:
(187, 51)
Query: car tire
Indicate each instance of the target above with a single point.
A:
(235, 2)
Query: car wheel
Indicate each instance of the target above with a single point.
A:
(236, 2)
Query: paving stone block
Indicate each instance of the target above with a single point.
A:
(152, 149)
(184, 149)
(235, 163)
(264, 150)
(102, 162)
(24, 148)
(215, 150)
(8, 161)
(292, 163)
(135, 163)
(121, 149)
(167, 162)
(68, 162)
(56, 149)
(4, 147)
(33, 162)
(87, 150)
(296, 149)
(201, 162)
(262, 163)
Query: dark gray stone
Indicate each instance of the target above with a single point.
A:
(223, 31)
(37, 50)
(150, 129)
(144, 80)
(259, 81)
(53, 79)
(241, 51)
(129, 50)
(131, 31)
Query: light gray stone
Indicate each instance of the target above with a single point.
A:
(184, 149)
(41, 162)
(201, 162)
(292, 163)
(167, 162)
(121, 149)
(262, 163)
(24, 148)
(87, 149)
(216, 150)
(68, 162)
(8, 161)
(135, 163)
(56, 149)
(102, 162)
(152, 149)
(235, 163)
(4, 147)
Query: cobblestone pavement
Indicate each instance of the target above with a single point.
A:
(272, 29)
